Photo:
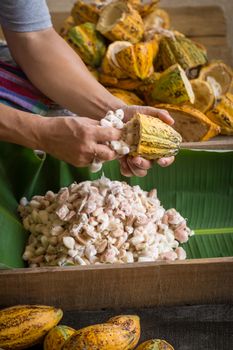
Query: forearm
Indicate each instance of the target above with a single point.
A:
(20, 127)
(59, 73)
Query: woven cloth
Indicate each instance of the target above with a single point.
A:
(40, 104)
(17, 91)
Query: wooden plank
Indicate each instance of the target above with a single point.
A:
(198, 21)
(211, 41)
(217, 48)
(188, 20)
(120, 286)
(220, 53)
(60, 5)
(217, 143)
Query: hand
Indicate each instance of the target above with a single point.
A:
(138, 166)
(162, 114)
(77, 140)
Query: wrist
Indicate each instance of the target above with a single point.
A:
(38, 125)
(45, 126)
(30, 130)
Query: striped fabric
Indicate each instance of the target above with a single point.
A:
(17, 91)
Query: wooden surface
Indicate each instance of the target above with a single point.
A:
(217, 143)
(207, 25)
(115, 286)
(202, 327)
(204, 21)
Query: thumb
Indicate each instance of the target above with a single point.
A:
(152, 111)
(107, 134)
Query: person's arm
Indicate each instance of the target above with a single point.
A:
(75, 140)
(20, 127)
(55, 69)
(60, 74)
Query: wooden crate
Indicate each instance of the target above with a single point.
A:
(200, 281)
(143, 284)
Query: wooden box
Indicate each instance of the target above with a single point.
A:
(200, 281)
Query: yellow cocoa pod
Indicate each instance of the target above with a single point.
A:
(67, 25)
(104, 336)
(151, 138)
(184, 51)
(120, 21)
(86, 11)
(155, 45)
(192, 124)
(136, 4)
(146, 87)
(137, 60)
(222, 114)
(146, 7)
(173, 87)
(108, 80)
(88, 43)
(124, 84)
(154, 21)
(110, 65)
(220, 72)
(129, 84)
(23, 326)
(130, 323)
(204, 95)
(94, 72)
(57, 337)
(127, 96)
(155, 344)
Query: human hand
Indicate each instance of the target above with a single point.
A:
(138, 166)
(162, 114)
(77, 140)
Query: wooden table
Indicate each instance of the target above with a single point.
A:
(217, 143)
(203, 327)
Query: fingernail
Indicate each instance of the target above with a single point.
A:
(138, 162)
(163, 162)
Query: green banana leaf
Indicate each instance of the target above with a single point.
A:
(199, 185)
